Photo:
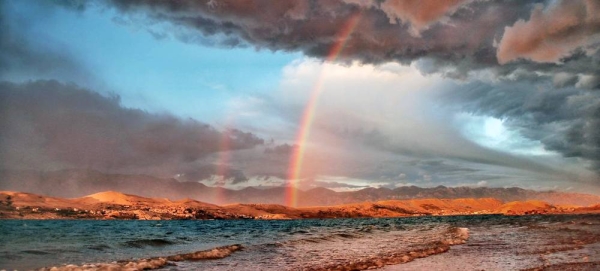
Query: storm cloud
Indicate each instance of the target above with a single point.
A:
(565, 120)
(459, 36)
(50, 125)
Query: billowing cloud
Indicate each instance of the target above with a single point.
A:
(552, 32)
(419, 13)
(50, 125)
(456, 37)
(312, 27)
(565, 120)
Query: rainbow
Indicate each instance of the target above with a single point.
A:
(297, 157)
(222, 164)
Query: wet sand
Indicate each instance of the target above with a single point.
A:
(571, 245)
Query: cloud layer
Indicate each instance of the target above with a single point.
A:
(390, 113)
(523, 44)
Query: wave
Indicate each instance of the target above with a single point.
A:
(47, 251)
(148, 243)
(294, 251)
(455, 236)
(35, 252)
(315, 239)
(100, 247)
(215, 253)
(352, 234)
(152, 263)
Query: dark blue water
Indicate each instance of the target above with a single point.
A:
(276, 244)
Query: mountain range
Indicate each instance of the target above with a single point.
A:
(78, 183)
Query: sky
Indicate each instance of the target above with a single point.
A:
(342, 94)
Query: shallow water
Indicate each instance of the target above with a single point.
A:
(266, 245)
(544, 243)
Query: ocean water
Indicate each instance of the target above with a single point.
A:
(311, 244)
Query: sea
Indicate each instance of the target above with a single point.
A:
(308, 244)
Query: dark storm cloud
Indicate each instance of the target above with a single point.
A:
(47, 124)
(566, 120)
(457, 35)
(385, 31)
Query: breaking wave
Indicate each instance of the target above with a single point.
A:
(152, 263)
(351, 251)
(453, 236)
(439, 242)
(148, 242)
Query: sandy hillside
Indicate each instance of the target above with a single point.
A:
(27, 199)
(116, 205)
(521, 207)
(125, 199)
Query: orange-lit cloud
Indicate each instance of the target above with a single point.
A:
(420, 13)
(552, 32)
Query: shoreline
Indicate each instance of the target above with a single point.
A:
(293, 219)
